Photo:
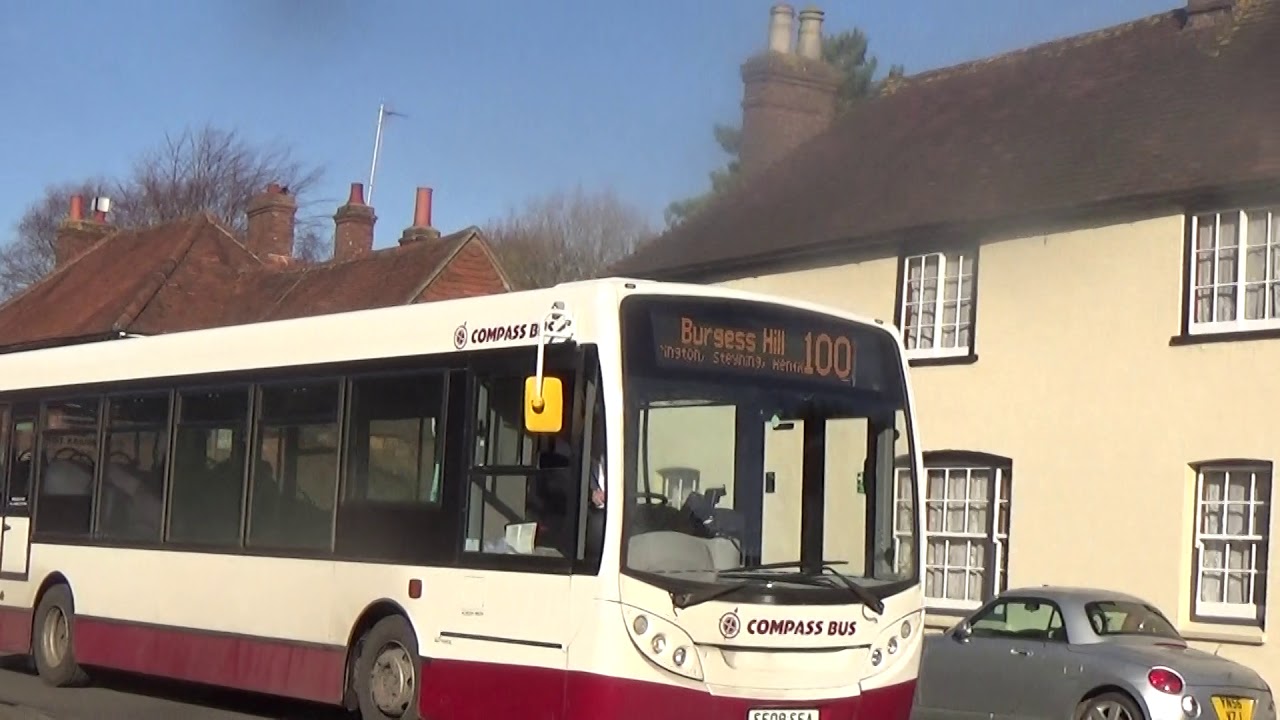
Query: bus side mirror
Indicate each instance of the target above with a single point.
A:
(543, 407)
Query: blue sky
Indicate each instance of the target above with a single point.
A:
(506, 99)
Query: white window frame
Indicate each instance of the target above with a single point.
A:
(969, 281)
(1256, 538)
(1271, 243)
(995, 541)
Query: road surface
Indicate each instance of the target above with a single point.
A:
(112, 696)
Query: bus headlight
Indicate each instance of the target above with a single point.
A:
(893, 641)
(663, 643)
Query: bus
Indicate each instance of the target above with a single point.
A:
(608, 499)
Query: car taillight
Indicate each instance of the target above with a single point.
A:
(1165, 680)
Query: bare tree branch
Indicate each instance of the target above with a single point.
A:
(202, 169)
(566, 236)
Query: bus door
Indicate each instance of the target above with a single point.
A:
(17, 453)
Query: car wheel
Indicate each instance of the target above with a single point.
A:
(1109, 706)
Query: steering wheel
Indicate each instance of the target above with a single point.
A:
(651, 496)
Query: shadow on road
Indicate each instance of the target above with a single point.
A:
(247, 704)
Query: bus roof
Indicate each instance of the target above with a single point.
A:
(489, 321)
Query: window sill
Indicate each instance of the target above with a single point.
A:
(1225, 336)
(1234, 636)
(941, 360)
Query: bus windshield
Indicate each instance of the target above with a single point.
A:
(765, 443)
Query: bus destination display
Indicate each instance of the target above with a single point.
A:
(799, 349)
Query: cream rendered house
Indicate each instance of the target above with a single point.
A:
(1081, 244)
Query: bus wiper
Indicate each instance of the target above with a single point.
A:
(681, 601)
(866, 596)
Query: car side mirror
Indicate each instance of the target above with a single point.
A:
(962, 632)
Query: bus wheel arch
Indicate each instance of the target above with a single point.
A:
(382, 635)
(53, 634)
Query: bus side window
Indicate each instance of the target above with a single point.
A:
(519, 480)
(295, 476)
(131, 494)
(68, 462)
(394, 463)
(209, 462)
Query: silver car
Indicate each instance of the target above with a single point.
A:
(1056, 653)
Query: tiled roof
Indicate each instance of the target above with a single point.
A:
(1146, 110)
(193, 274)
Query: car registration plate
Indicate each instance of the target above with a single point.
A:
(787, 714)
(1233, 708)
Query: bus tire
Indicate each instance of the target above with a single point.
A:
(53, 639)
(387, 671)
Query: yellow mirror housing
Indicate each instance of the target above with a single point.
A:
(543, 411)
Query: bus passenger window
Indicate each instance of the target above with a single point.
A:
(394, 453)
(209, 467)
(68, 460)
(131, 501)
(295, 478)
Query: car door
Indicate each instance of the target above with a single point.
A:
(1060, 669)
(986, 667)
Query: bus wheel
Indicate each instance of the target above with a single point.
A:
(387, 671)
(53, 647)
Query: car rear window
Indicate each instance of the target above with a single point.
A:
(1118, 617)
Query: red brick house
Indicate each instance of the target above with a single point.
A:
(193, 273)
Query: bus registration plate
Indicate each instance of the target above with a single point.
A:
(781, 714)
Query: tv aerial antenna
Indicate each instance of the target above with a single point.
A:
(383, 113)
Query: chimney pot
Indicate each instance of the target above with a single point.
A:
(101, 206)
(353, 227)
(77, 207)
(810, 44)
(422, 208)
(271, 216)
(356, 197)
(780, 17)
(421, 228)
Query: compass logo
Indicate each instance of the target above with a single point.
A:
(730, 625)
(460, 336)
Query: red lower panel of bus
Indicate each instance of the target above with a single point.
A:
(479, 691)
(454, 690)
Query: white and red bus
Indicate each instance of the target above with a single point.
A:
(607, 499)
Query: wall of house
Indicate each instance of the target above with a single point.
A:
(1075, 381)
(472, 271)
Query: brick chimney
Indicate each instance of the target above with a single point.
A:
(271, 216)
(421, 228)
(76, 234)
(788, 97)
(353, 226)
(1207, 13)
